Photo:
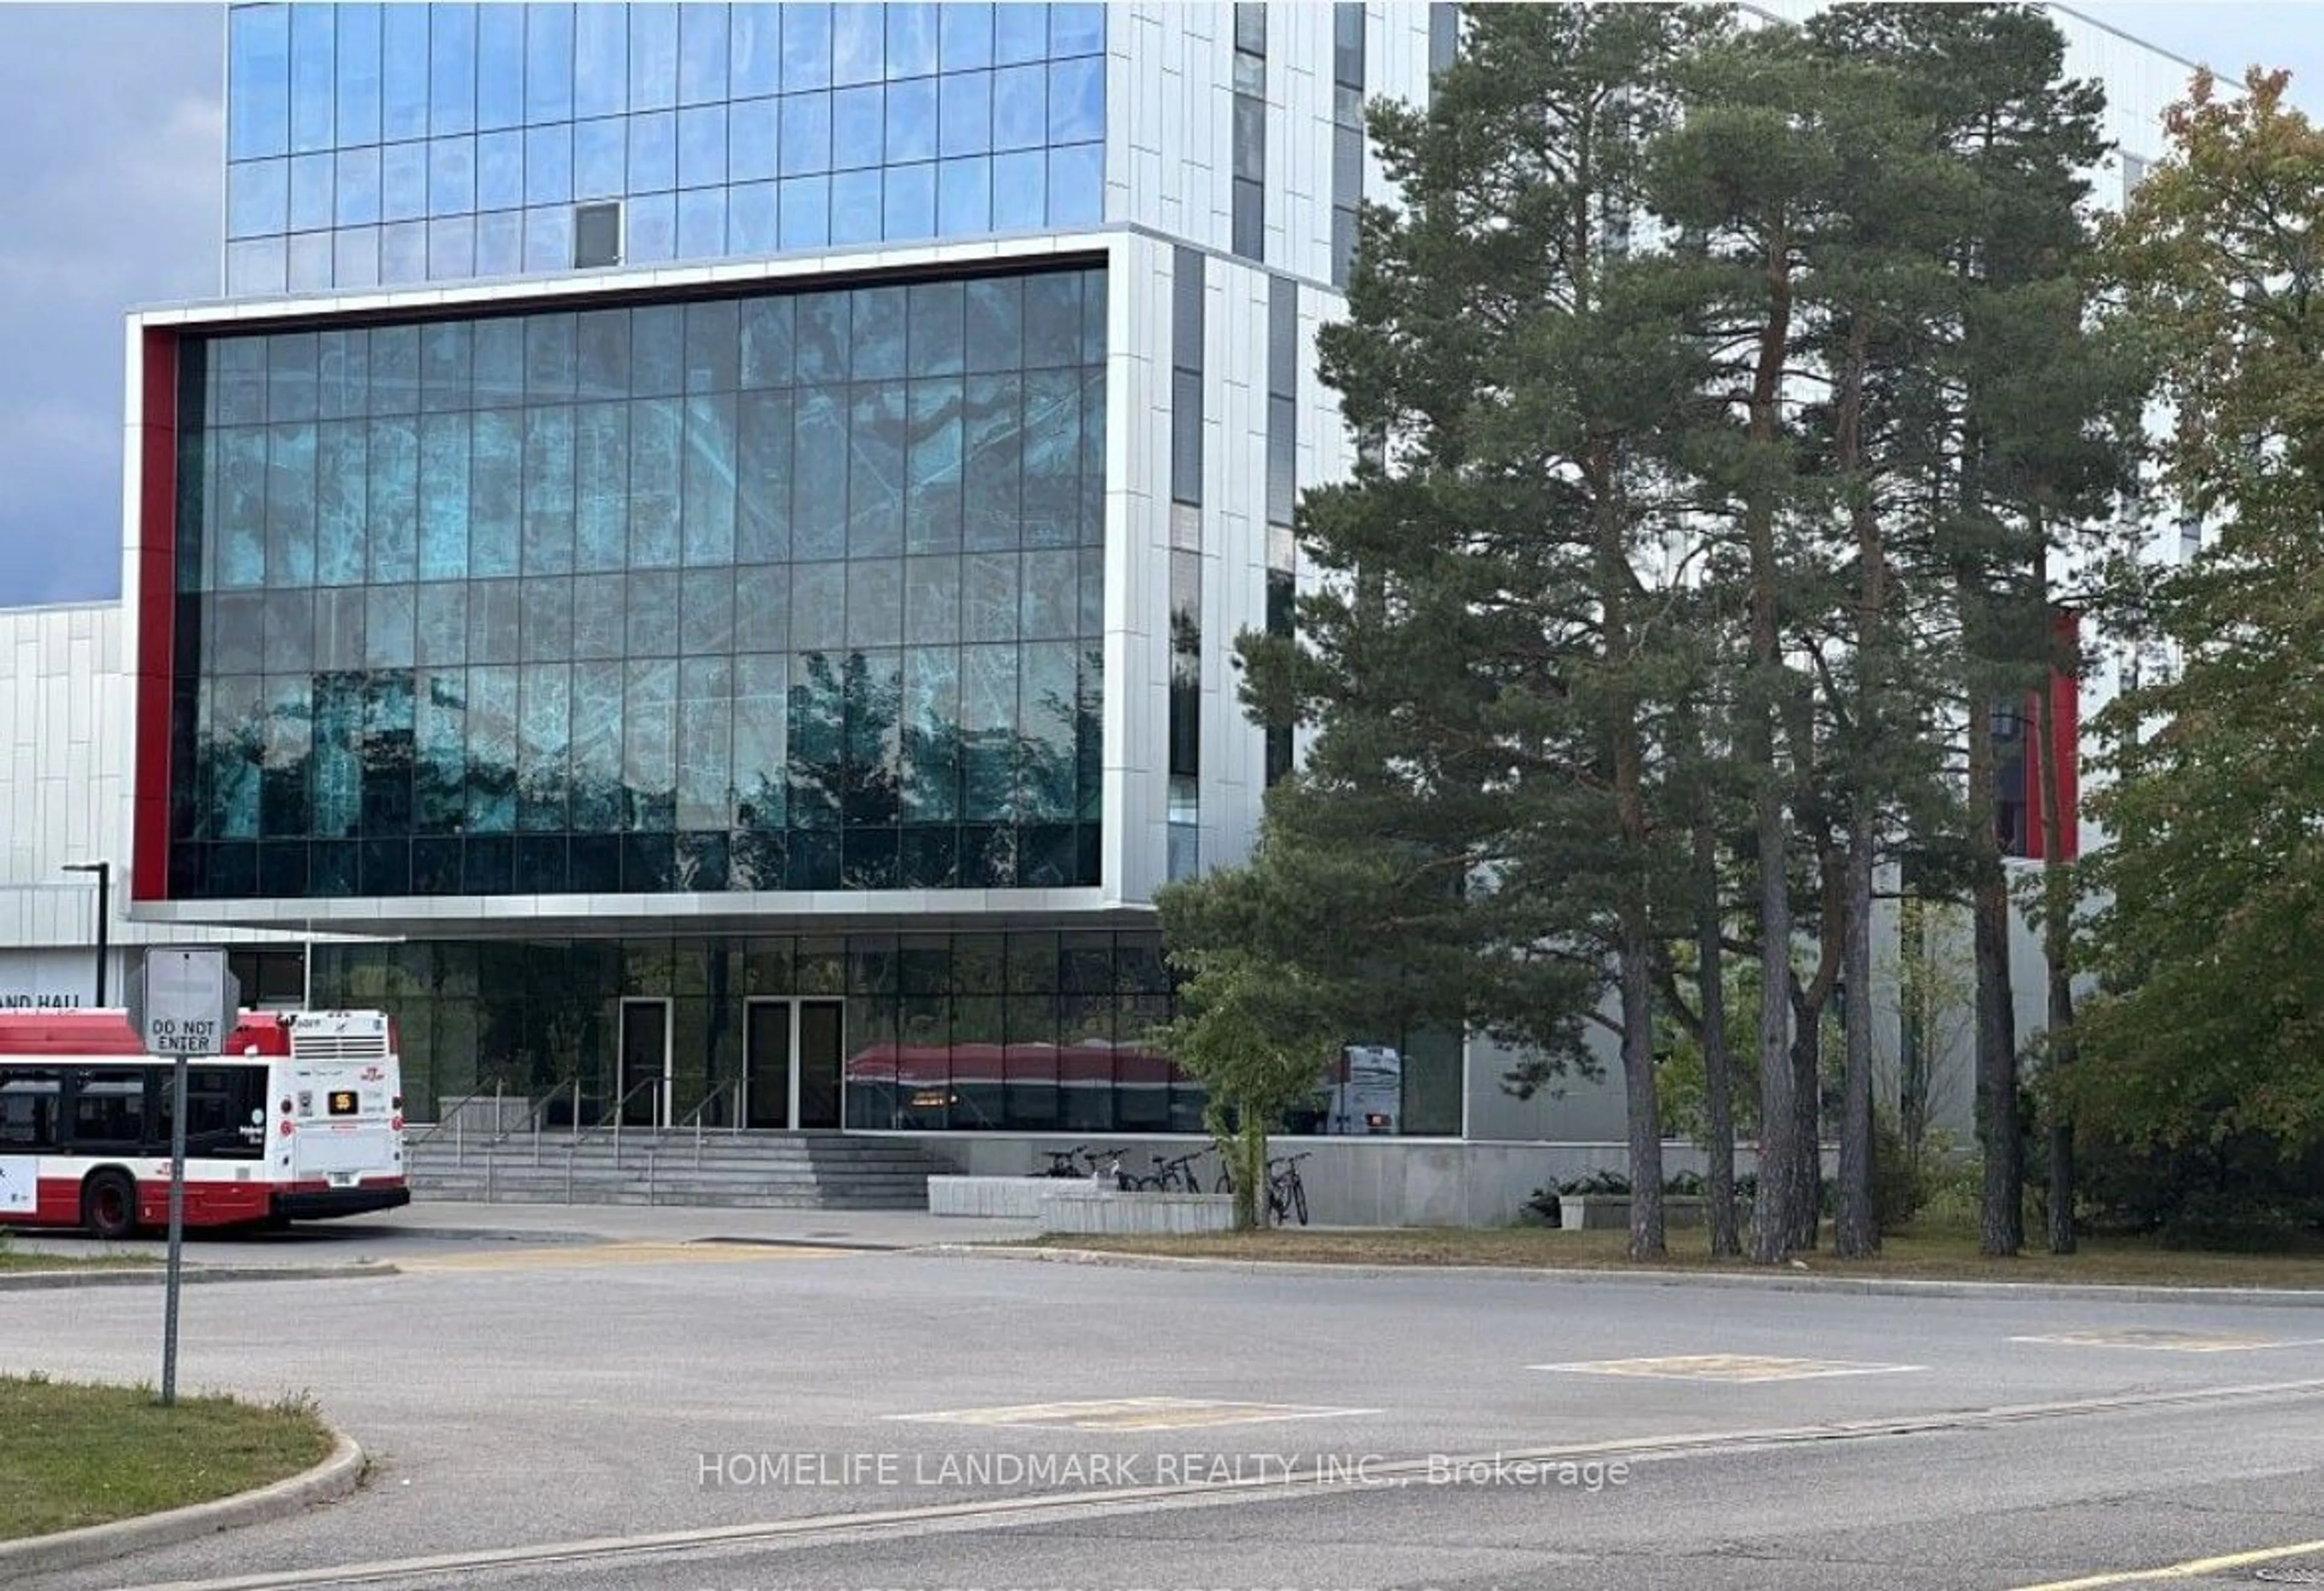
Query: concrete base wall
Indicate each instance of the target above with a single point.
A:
(1099, 1210)
(1353, 1181)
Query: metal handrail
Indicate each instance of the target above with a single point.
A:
(537, 1110)
(694, 1116)
(455, 1117)
(614, 1118)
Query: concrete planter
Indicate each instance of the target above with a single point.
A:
(1101, 1211)
(1005, 1197)
(1611, 1212)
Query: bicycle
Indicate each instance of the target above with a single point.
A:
(1067, 1162)
(1173, 1176)
(1105, 1168)
(1286, 1193)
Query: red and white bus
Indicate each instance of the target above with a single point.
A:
(302, 1119)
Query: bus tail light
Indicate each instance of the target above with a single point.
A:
(289, 1127)
(395, 1122)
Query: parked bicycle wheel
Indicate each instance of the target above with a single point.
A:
(1299, 1199)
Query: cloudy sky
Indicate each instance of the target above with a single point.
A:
(111, 117)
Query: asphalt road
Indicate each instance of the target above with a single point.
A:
(736, 1416)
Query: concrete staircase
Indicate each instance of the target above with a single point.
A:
(724, 1170)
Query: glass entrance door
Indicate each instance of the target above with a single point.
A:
(767, 1065)
(821, 1034)
(645, 1062)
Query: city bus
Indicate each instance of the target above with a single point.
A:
(301, 1120)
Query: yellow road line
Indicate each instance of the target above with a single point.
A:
(584, 1255)
(2194, 1568)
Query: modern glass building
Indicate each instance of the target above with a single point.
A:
(716, 533)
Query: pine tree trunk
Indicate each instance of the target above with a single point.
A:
(1646, 1237)
(1807, 1122)
(1718, 1067)
(1772, 1209)
(2001, 1223)
(1856, 1230)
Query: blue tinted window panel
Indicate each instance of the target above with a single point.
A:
(403, 182)
(500, 67)
(310, 263)
(856, 201)
(256, 267)
(710, 480)
(965, 35)
(805, 203)
(599, 159)
(754, 219)
(702, 62)
(963, 196)
(911, 120)
(702, 146)
(258, 198)
(548, 165)
(753, 129)
(1021, 32)
(965, 114)
(653, 151)
(394, 448)
(496, 492)
(451, 176)
(1021, 108)
(805, 136)
(656, 425)
(653, 56)
(1020, 187)
(1077, 185)
(451, 68)
(875, 490)
(443, 459)
(500, 242)
(807, 47)
(500, 170)
(755, 50)
(858, 44)
(649, 228)
(909, 202)
(764, 442)
(858, 131)
(549, 239)
(403, 72)
(912, 41)
(314, 71)
(549, 60)
(601, 61)
(358, 73)
(1077, 30)
(1077, 100)
(258, 106)
(819, 473)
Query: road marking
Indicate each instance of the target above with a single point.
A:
(1729, 1367)
(1005, 1512)
(1132, 1415)
(587, 1255)
(2194, 1569)
(2182, 1342)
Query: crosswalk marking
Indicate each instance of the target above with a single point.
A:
(1730, 1367)
(1132, 1415)
(2182, 1342)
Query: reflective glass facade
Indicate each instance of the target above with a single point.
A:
(1032, 1030)
(382, 145)
(781, 590)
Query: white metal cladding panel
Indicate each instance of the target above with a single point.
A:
(1138, 571)
(1235, 561)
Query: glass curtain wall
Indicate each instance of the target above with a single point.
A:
(781, 590)
(382, 144)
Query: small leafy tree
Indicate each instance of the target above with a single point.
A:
(1255, 1035)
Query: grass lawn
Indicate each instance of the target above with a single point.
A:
(74, 1455)
(16, 1259)
(1929, 1256)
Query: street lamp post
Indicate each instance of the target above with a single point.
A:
(103, 872)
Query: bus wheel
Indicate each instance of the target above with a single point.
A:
(108, 1204)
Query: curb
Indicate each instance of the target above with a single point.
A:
(1875, 1286)
(335, 1477)
(154, 1275)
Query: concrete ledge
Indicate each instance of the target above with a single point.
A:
(1611, 1212)
(1102, 1211)
(1012, 1198)
(155, 1276)
(1799, 1280)
(335, 1477)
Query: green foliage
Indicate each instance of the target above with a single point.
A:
(2210, 946)
(2241, 1192)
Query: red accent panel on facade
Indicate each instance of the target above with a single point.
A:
(2065, 748)
(155, 572)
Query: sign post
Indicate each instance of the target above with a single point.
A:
(183, 1002)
